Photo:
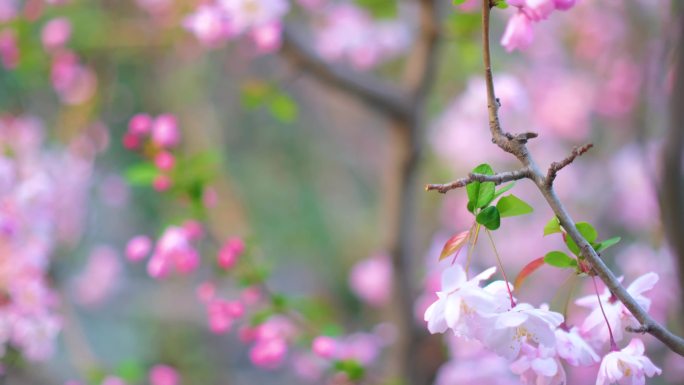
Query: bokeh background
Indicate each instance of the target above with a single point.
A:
(317, 178)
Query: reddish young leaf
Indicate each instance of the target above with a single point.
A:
(527, 270)
(454, 244)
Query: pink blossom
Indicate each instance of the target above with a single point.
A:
(537, 366)
(564, 4)
(161, 183)
(131, 141)
(9, 49)
(138, 248)
(100, 277)
(507, 331)
(267, 37)
(268, 354)
(574, 349)
(230, 252)
(164, 375)
(140, 124)
(56, 33)
(628, 364)
(74, 83)
(165, 132)
(209, 24)
(8, 10)
(164, 161)
(247, 14)
(518, 32)
(324, 346)
(193, 229)
(617, 314)
(173, 251)
(371, 280)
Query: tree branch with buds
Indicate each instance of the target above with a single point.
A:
(516, 145)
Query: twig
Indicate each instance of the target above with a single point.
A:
(498, 179)
(520, 151)
(557, 166)
(381, 95)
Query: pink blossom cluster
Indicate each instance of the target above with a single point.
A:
(371, 280)
(221, 313)
(219, 21)
(32, 212)
(536, 340)
(348, 33)
(519, 33)
(174, 251)
(74, 82)
(155, 137)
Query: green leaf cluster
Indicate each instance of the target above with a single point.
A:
(482, 194)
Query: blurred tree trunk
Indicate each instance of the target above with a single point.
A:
(672, 189)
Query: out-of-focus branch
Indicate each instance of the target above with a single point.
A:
(672, 189)
(545, 186)
(498, 179)
(381, 95)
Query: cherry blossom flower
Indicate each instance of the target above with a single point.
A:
(138, 248)
(628, 364)
(617, 314)
(173, 251)
(574, 349)
(518, 32)
(509, 330)
(324, 346)
(458, 296)
(56, 33)
(539, 366)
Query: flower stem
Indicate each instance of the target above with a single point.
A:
(473, 235)
(613, 345)
(503, 272)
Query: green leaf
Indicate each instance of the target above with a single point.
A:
(510, 206)
(480, 194)
(553, 226)
(560, 259)
(283, 108)
(352, 368)
(588, 233)
(607, 243)
(501, 4)
(381, 9)
(489, 218)
(458, 2)
(141, 174)
(130, 371)
(503, 189)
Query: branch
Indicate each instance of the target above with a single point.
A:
(498, 179)
(520, 151)
(380, 95)
(557, 166)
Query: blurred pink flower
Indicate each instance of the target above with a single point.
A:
(56, 33)
(518, 32)
(140, 124)
(230, 252)
(371, 280)
(173, 251)
(164, 161)
(9, 49)
(99, 279)
(268, 354)
(165, 132)
(138, 248)
(324, 346)
(164, 375)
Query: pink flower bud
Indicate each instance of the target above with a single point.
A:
(165, 132)
(161, 183)
(164, 161)
(219, 321)
(131, 141)
(140, 124)
(56, 33)
(138, 248)
(268, 354)
(324, 346)
(230, 251)
(163, 375)
(233, 309)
